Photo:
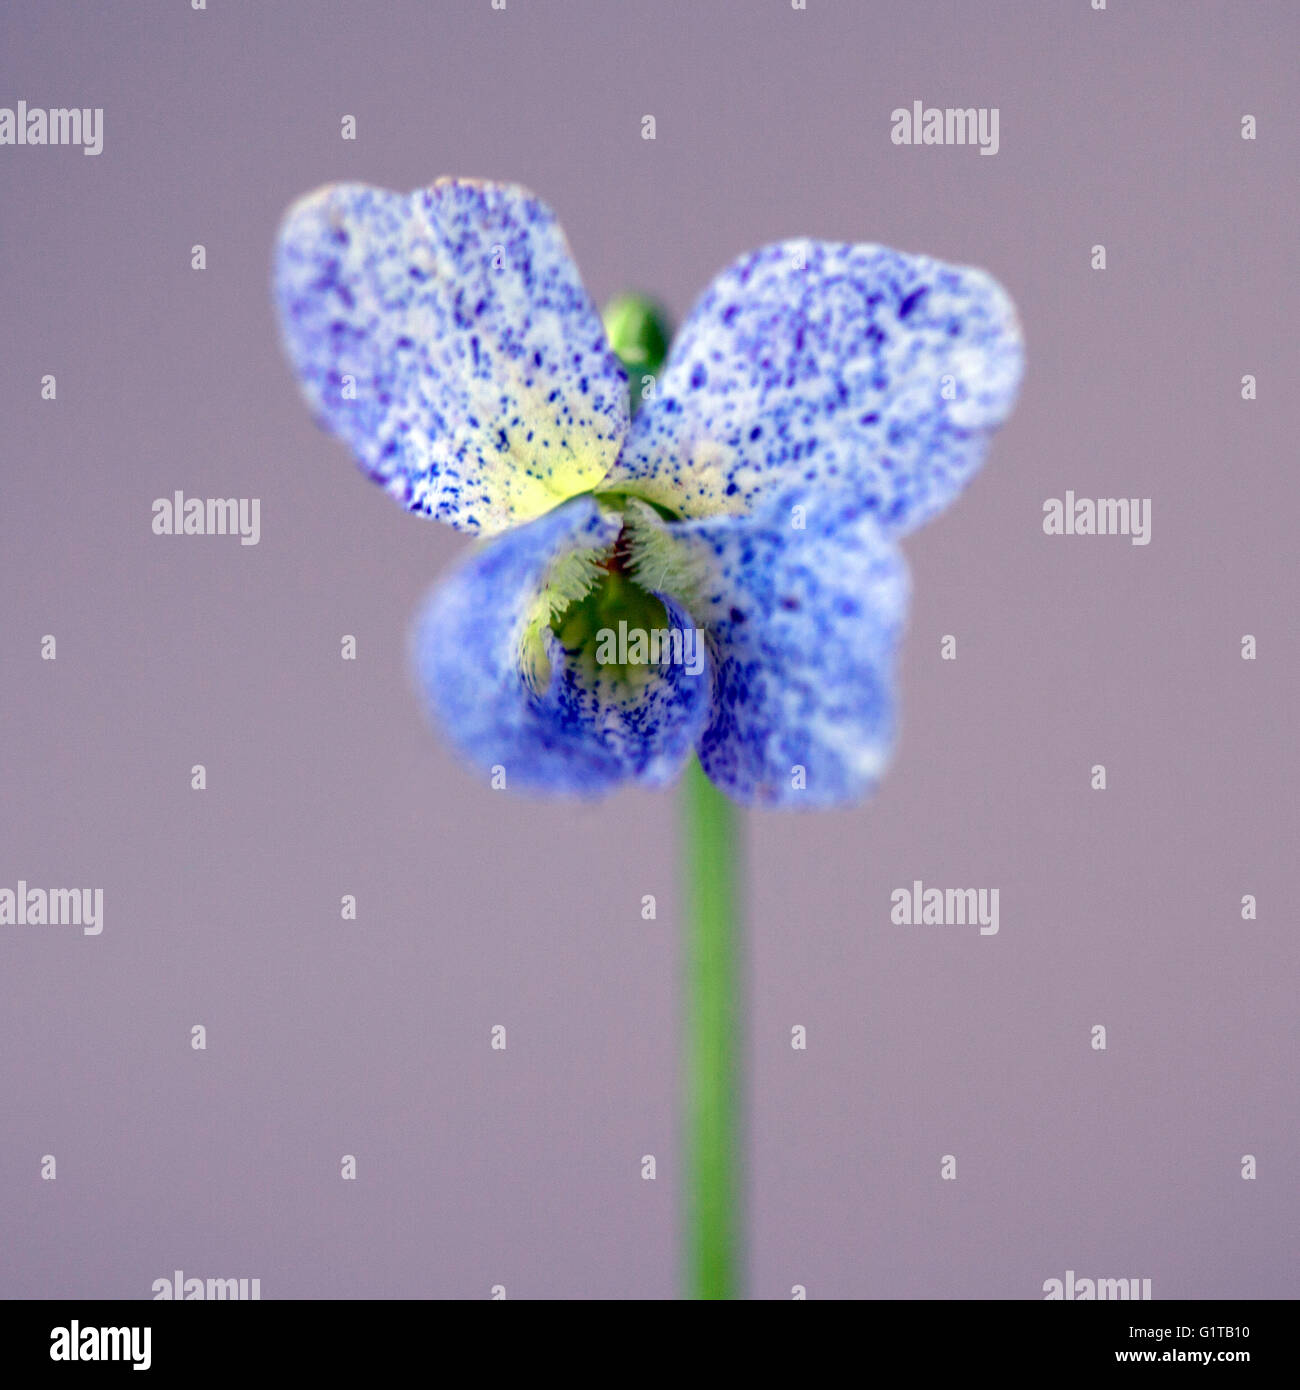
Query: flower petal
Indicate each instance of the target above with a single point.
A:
(559, 723)
(446, 336)
(866, 367)
(805, 605)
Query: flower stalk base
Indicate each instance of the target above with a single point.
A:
(713, 1035)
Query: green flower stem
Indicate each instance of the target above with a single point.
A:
(712, 1183)
(638, 334)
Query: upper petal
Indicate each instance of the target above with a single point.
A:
(805, 604)
(509, 695)
(814, 361)
(446, 336)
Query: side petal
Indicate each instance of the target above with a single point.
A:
(507, 693)
(805, 605)
(446, 336)
(852, 366)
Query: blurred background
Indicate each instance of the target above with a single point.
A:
(371, 1037)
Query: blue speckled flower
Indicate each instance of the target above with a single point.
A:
(820, 401)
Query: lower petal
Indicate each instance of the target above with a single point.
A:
(805, 603)
(515, 701)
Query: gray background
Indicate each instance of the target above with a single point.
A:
(372, 1038)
